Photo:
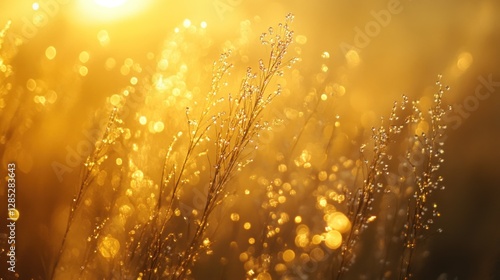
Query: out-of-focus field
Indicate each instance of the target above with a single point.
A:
(69, 58)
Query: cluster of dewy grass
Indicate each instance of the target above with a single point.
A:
(422, 211)
(229, 124)
(224, 131)
(91, 171)
(407, 150)
(302, 208)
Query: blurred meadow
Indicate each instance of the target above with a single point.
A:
(116, 117)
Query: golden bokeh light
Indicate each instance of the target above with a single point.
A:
(288, 255)
(83, 70)
(464, 61)
(317, 254)
(298, 219)
(84, 57)
(50, 52)
(264, 276)
(108, 247)
(103, 37)
(353, 58)
(338, 221)
(333, 239)
(31, 85)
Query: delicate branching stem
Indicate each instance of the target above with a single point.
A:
(92, 163)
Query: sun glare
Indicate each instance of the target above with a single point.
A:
(110, 3)
(108, 10)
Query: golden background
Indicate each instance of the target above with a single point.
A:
(70, 59)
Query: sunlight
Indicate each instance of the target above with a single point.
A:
(108, 10)
(110, 3)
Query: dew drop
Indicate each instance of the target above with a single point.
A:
(235, 217)
(108, 247)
